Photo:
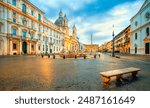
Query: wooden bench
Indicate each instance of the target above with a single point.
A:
(118, 73)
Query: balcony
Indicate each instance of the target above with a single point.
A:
(13, 36)
(24, 37)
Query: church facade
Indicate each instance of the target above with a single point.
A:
(71, 42)
(140, 30)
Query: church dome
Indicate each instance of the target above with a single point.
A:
(59, 22)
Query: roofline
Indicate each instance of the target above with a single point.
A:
(122, 31)
(140, 10)
(33, 5)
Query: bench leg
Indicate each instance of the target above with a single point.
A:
(118, 77)
(134, 74)
(106, 80)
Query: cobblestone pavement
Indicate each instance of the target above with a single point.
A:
(133, 57)
(32, 73)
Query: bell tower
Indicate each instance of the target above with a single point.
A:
(74, 34)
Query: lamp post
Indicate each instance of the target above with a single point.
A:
(91, 43)
(113, 50)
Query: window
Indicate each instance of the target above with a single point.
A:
(24, 35)
(43, 47)
(31, 36)
(39, 17)
(24, 21)
(136, 23)
(39, 28)
(39, 48)
(135, 48)
(14, 20)
(46, 39)
(46, 48)
(147, 16)
(32, 47)
(57, 49)
(54, 48)
(14, 3)
(14, 46)
(43, 38)
(50, 40)
(38, 37)
(14, 13)
(147, 31)
(24, 8)
(14, 32)
(32, 12)
(32, 24)
(135, 36)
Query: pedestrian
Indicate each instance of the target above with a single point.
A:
(53, 56)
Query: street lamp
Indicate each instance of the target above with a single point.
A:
(91, 43)
(113, 50)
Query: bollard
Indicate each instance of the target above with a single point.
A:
(48, 55)
(84, 56)
(53, 56)
(95, 56)
(42, 55)
(75, 56)
(64, 57)
(99, 55)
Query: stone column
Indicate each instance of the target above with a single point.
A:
(36, 48)
(11, 47)
(29, 47)
(20, 47)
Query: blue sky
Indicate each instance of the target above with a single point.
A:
(92, 16)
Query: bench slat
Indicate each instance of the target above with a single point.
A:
(119, 72)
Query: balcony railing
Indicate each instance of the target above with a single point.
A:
(24, 37)
(13, 36)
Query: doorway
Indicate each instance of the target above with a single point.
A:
(147, 48)
(24, 47)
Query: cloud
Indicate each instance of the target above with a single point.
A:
(87, 21)
(101, 24)
(72, 4)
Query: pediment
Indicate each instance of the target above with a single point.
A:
(145, 4)
(147, 39)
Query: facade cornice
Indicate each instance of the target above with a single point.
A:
(147, 24)
(29, 3)
(28, 16)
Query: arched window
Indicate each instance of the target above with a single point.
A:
(39, 17)
(14, 3)
(147, 31)
(14, 31)
(24, 8)
(24, 34)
